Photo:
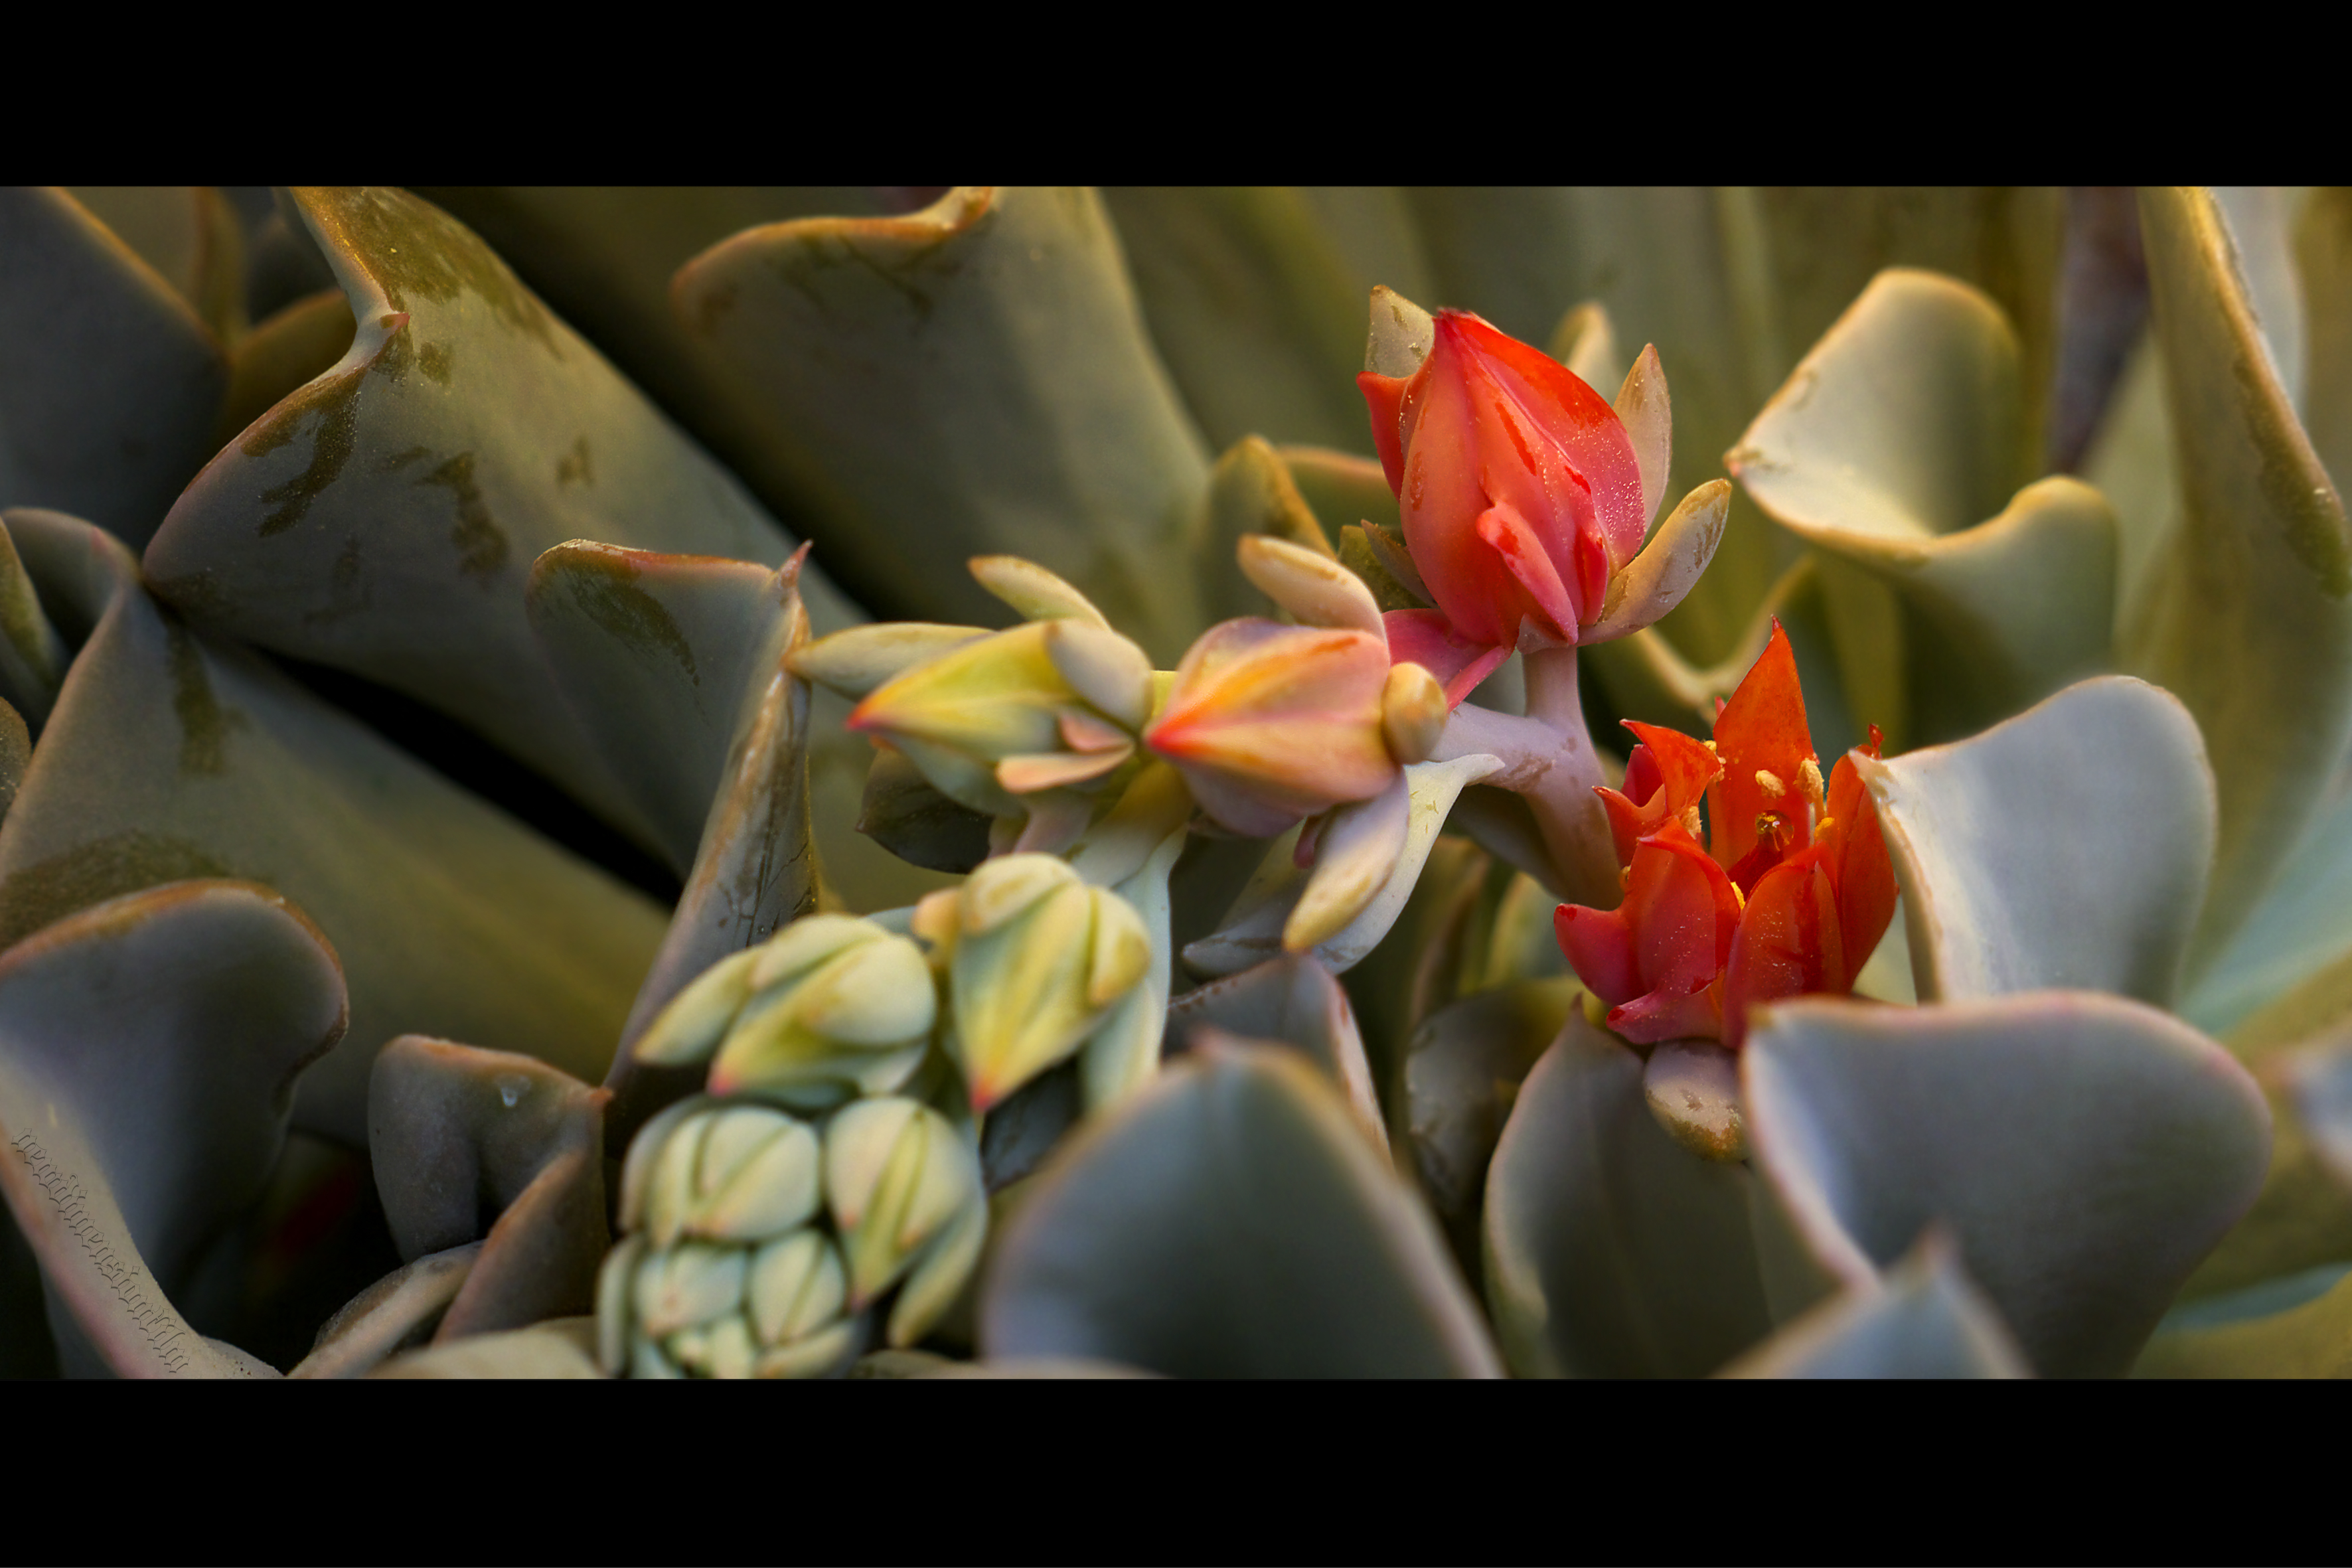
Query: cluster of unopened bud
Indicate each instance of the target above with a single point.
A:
(754, 1237)
(761, 1219)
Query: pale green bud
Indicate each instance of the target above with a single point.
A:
(721, 1173)
(684, 1287)
(830, 1007)
(1041, 957)
(904, 1187)
(707, 1310)
(841, 1008)
(690, 1028)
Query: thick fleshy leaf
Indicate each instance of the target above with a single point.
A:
(1926, 1319)
(148, 1053)
(2321, 1082)
(1291, 1001)
(2066, 847)
(1895, 446)
(2084, 1151)
(172, 756)
(2312, 1339)
(2249, 613)
(113, 381)
(653, 653)
(455, 1134)
(1611, 1251)
(33, 656)
(190, 234)
(2293, 955)
(557, 1348)
(2323, 258)
(1030, 1369)
(976, 373)
(384, 519)
(297, 345)
(753, 865)
(1462, 1072)
(1231, 1221)
(1253, 305)
(398, 1312)
(604, 256)
(2302, 1220)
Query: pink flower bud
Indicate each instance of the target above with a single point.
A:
(1269, 723)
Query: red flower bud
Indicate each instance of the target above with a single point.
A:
(1520, 490)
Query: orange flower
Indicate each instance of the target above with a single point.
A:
(1790, 895)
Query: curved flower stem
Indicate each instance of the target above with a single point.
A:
(1548, 759)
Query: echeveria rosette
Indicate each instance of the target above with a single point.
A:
(1789, 895)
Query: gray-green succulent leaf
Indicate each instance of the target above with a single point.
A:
(1231, 1220)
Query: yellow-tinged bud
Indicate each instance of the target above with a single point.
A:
(1041, 957)
(904, 1187)
(1412, 712)
(863, 658)
(1312, 586)
(1049, 705)
(1355, 856)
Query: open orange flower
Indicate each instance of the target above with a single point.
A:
(1789, 894)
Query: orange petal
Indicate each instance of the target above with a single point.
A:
(1856, 853)
(1525, 564)
(1762, 740)
(1666, 775)
(1672, 933)
(1660, 1016)
(1599, 947)
(1384, 395)
(1789, 942)
(1574, 421)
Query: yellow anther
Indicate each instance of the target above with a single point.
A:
(1769, 783)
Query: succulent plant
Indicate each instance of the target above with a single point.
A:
(531, 846)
